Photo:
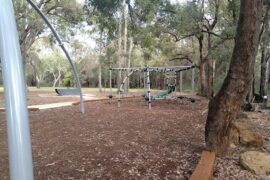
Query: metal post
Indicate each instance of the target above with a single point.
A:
(149, 89)
(175, 79)
(181, 81)
(119, 99)
(119, 95)
(19, 141)
(110, 96)
(64, 50)
(193, 80)
(144, 83)
(167, 79)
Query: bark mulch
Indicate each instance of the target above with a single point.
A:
(107, 142)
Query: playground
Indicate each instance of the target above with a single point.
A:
(131, 142)
(164, 90)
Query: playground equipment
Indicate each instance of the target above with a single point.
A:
(64, 50)
(19, 141)
(66, 92)
(163, 94)
(146, 71)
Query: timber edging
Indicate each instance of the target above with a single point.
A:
(205, 168)
(29, 109)
(101, 99)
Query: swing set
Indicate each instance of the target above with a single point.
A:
(147, 84)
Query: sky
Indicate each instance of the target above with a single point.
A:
(178, 1)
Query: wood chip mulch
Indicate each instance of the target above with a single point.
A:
(107, 142)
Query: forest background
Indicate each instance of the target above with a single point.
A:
(136, 33)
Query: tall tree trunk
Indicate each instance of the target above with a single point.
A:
(119, 54)
(56, 79)
(203, 80)
(264, 54)
(99, 64)
(202, 68)
(251, 89)
(224, 107)
(124, 14)
(37, 82)
(129, 58)
(267, 77)
(210, 75)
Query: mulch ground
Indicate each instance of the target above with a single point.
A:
(107, 142)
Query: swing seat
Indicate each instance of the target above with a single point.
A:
(110, 96)
(67, 92)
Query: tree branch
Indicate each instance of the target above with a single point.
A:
(185, 57)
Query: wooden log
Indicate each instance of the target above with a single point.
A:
(205, 168)
(29, 109)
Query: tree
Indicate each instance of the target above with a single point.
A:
(37, 66)
(265, 53)
(224, 107)
(196, 25)
(63, 14)
(56, 65)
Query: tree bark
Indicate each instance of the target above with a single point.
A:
(56, 79)
(202, 67)
(203, 80)
(119, 54)
(124, 14)
(224, 107)
(264, 53)
(129, 59)
(99, 64)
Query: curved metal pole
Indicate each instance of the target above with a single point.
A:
(19, 139)
(64, 50)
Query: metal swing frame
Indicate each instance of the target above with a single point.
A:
(146, 71)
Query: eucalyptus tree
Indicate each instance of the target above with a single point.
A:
(101, 16)
(224, 107)
(112, 17)
(56, 65)
(265, 51)
(62, 14)
(198, 28)
(35, 68)
(210, 25)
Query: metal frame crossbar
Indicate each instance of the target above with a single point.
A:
(146, 71)
(156, 69)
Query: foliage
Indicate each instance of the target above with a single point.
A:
(163, 33)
